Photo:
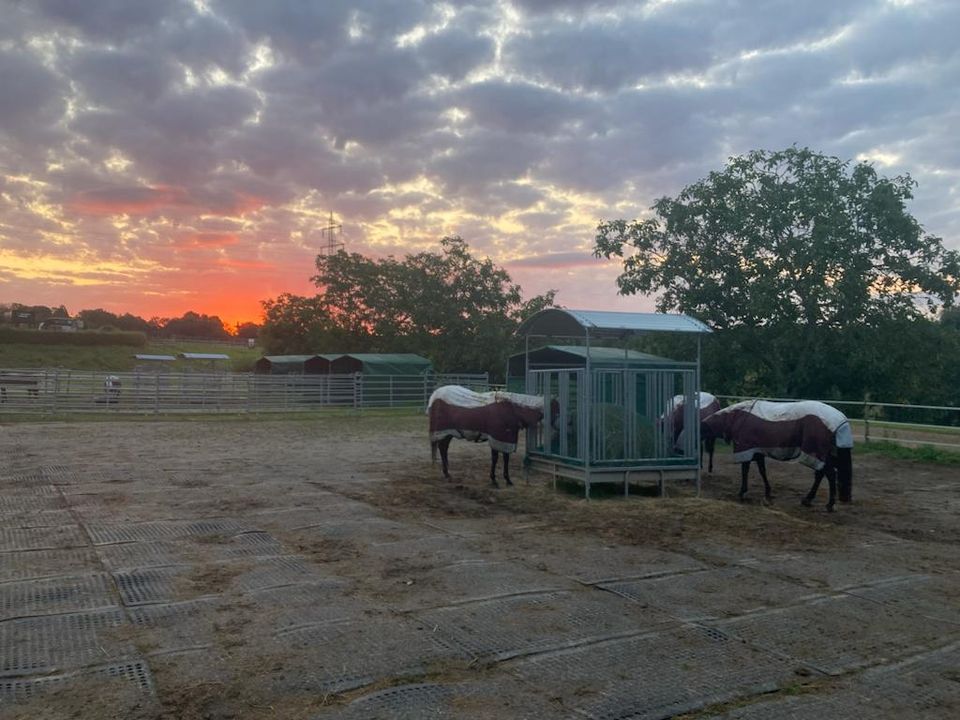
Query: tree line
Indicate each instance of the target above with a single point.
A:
(189, 325)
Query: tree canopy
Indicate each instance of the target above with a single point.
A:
(812, 271)
(458, 310)
(791, 236)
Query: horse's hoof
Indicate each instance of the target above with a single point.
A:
(806, 502)
(830, 508)
(509, 482)
(742, 498)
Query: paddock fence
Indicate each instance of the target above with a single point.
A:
(908, 425)
(55, 392)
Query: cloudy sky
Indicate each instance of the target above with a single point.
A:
(168, 155)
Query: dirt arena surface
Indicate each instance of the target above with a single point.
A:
(321, 569)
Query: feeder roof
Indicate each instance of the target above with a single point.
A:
(562, 322)
(158, 358)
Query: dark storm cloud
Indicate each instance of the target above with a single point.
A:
(519, 107)
(33, 96)
(601, 56)
(112, 20)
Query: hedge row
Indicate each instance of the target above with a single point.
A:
(82, 337)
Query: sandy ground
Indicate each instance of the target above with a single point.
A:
(321, 569)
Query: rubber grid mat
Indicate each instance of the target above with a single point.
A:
(833, 571)
(56, 595)
(48, 538)
(178, 626)
(10, 504)
(474, 580)
(921, 688)
(30, 564)
(36, 518)
(306, 605)
(343, 656)
(269, 572)
(133, 674)
(57, 642)
(504, 628)
(496, 696)
(837, 634)
(150, 585)
(49, 475)
(917, 595)
(106, 533)
(139, 555)
(711, 593)
(657, 675)
(17, 491)
(591, 563)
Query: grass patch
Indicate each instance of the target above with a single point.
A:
(921, 453)
(117, 358)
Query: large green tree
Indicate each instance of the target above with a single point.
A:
(458, 310)
(793, 256)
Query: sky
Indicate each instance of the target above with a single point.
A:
(172, 155)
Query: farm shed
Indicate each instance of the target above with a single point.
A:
(294, 364)
(566, 356)
(381, 364)
(153, 363)
(205, 361)
(612, 424)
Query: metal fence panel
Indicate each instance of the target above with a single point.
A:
(85, 391)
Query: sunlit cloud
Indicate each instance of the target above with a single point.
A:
(162, 157)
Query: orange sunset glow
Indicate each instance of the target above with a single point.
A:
(157, 158)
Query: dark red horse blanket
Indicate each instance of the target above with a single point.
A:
(496, 417)
(708, 406)
(806, 430)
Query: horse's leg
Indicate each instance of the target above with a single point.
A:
(711, 446)
(831, 470)
(493, 467)
(817, 477)
(744, 471)
(762, 467)
(506, 468)
(444, 445)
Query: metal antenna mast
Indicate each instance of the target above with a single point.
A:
(334, 234)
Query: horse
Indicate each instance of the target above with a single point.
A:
(811, 431)
(494, 417)
(708, 405)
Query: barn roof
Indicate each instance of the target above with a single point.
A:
(563, 322)
(386, 363)
(203, 356)
(157, 358)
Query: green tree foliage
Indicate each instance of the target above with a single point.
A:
(195, 325)
(456, 309)
(804, 264)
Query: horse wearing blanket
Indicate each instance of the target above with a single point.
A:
(494, 417)
(708, 405)
(813, 432)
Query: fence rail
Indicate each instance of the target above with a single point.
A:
(79, 391)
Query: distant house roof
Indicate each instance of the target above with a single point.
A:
(563, 322)
(157, 358)
(203, 356)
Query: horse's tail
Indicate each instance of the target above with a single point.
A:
(845, 474)
(433, 452)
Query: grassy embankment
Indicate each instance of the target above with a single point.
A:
(117, 358)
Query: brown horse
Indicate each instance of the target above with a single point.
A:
(494, 417)
(811, 431)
